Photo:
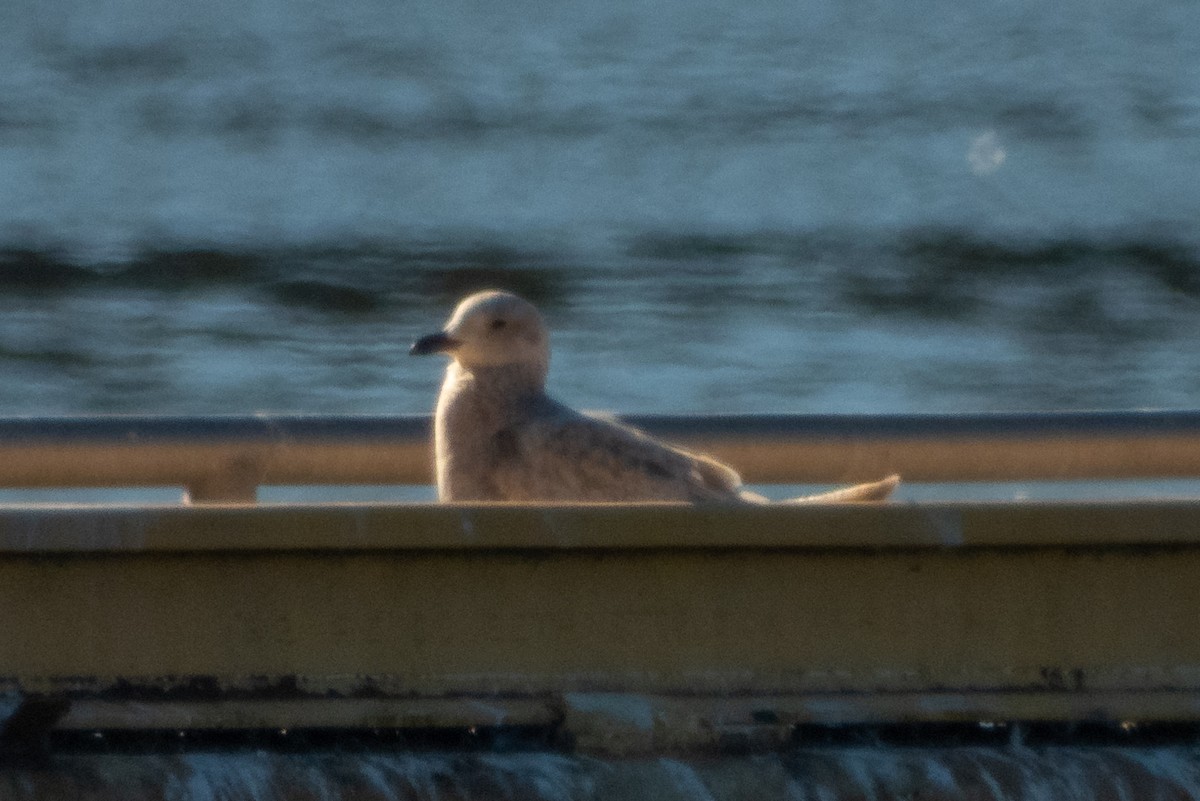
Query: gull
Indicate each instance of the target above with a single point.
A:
(499, 437)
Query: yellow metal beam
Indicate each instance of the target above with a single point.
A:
(655, 599)
(631, 627)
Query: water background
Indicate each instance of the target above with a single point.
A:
(760, 206)
(722, 207)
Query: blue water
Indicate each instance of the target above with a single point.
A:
(722, 207)
(821, 774)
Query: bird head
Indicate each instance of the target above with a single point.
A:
(491, 329)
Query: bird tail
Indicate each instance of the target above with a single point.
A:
(859, 493)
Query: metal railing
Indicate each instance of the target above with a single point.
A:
(228, 458)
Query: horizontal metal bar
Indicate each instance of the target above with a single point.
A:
(341, 713)
(228, 457)
(686, 714)
(627, 722)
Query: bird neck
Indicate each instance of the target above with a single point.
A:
(483, 400)
(499, 383)
(475, 404)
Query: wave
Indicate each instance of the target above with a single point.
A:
(936, 272)
(338, 279)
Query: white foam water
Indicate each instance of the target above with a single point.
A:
(1060, 773)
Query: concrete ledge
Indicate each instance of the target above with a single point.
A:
(479, 528)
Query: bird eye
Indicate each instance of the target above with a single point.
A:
(497, 324)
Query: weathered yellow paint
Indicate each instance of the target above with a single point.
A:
(433, 600)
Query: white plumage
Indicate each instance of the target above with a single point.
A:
(499, 437)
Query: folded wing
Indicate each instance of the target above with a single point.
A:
(557, 454)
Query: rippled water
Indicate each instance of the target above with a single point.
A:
(723, 207)
(1054, 774)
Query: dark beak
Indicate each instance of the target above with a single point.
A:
(434, 343)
